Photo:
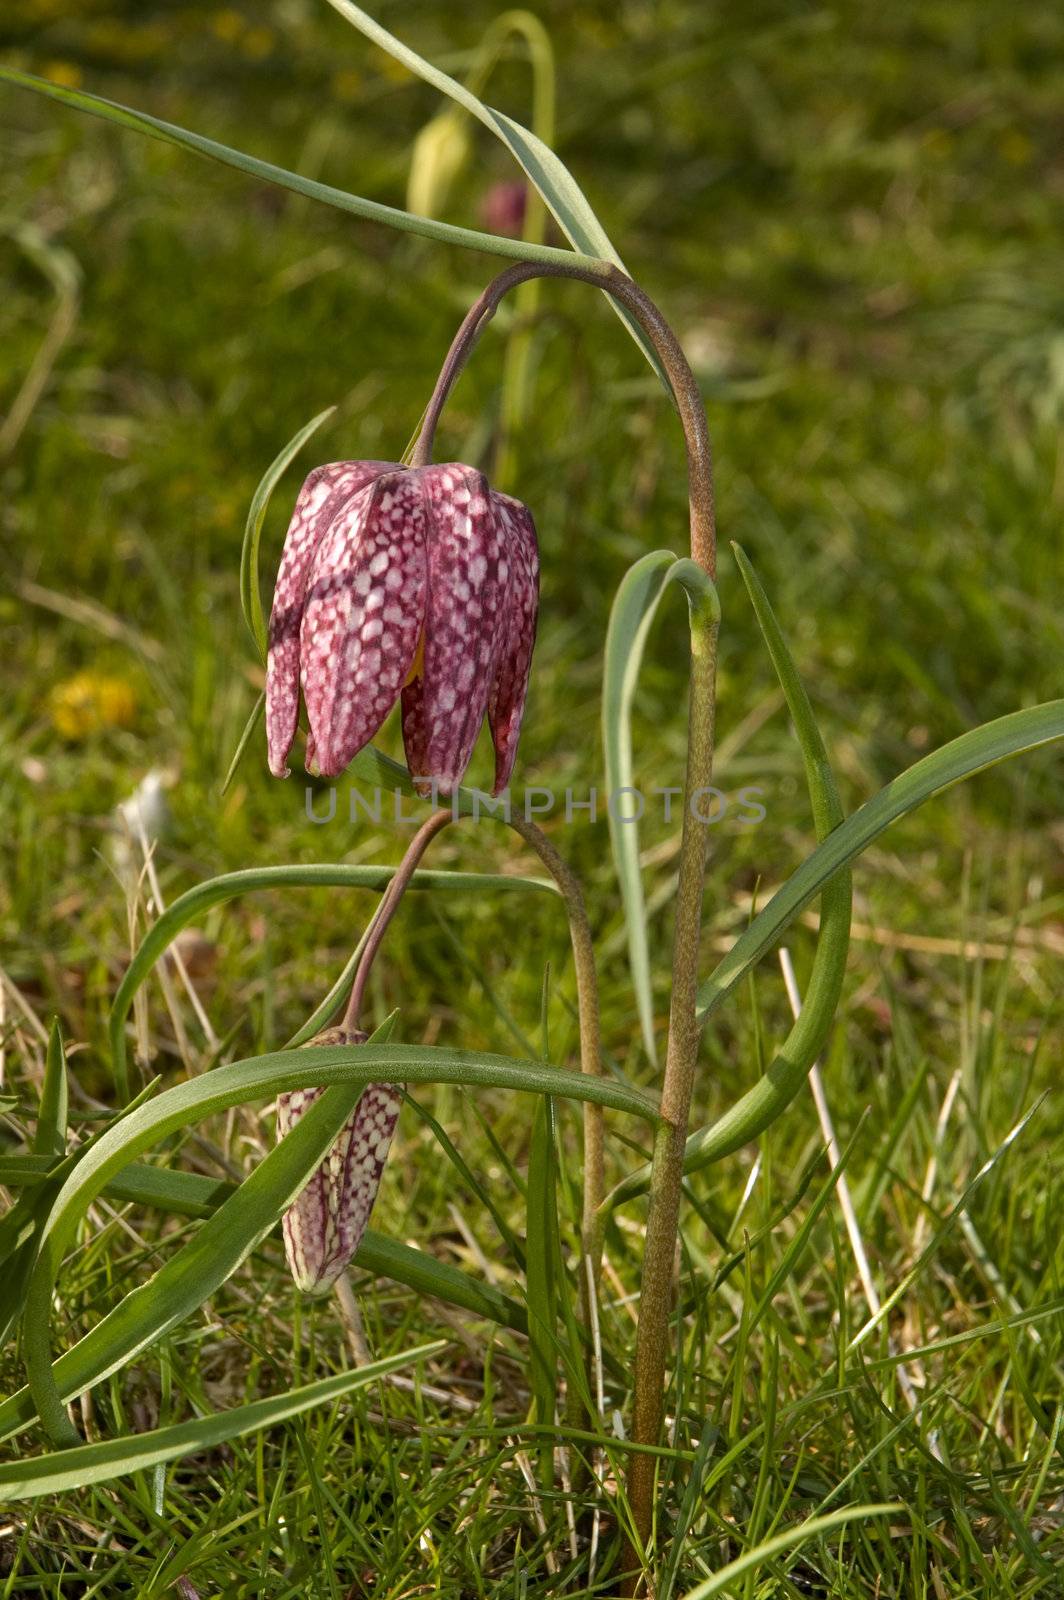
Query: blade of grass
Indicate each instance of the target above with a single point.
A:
(812, 1528)
(50, 1137)
(77, 1468)
(540, 1285)
(242, 743)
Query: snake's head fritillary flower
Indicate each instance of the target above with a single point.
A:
(323, 1227)
(420, 583)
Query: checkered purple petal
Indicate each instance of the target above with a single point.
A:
(507, 703)
(444, 707)
(363, 616)
(321, 498)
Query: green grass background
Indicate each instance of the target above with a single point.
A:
(852, 215)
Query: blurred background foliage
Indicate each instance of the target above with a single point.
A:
(852, 215)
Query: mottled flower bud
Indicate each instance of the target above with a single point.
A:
(323, 1228)
(503, 208)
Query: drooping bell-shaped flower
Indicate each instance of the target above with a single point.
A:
(417, 582)
(324, 1225)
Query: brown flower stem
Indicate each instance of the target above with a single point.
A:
(388, 907)
(666, 345)
(663, 1211)
(652, 1341)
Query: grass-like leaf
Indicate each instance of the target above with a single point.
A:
(250, 592)
(973, 752)
(242, 743)
(96, 1463)
(723, 1579)
(216, 891)
(262, 1078)
(50, 1138)
(634, 608)
(541, 1224)
(267, 172)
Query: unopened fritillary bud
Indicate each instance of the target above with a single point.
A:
(441, 150)
(323, 1228)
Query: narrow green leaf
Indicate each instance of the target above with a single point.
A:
(203, 1264)
(264, 1077)
(50, 1137)
(481, 1189)
(634, 608)
(688, 1506)
(547, 172)
(414, 1269)
(250, 591)
(972, 752)
(245, 739)
(112, 1458)
(541, 1224)
(19, 1234)
(216, 891)
(812, 1528)
(371, 210)
(633, 612)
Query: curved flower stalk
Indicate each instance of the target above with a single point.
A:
(415, 583)
(323, 1229)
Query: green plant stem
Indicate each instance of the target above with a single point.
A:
(652, 1343)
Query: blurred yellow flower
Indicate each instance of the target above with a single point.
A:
(389, 68)
(258, 43)
(64, 73)
(347, 84)
(90, 701)
(1016, 147)
(227, 26)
